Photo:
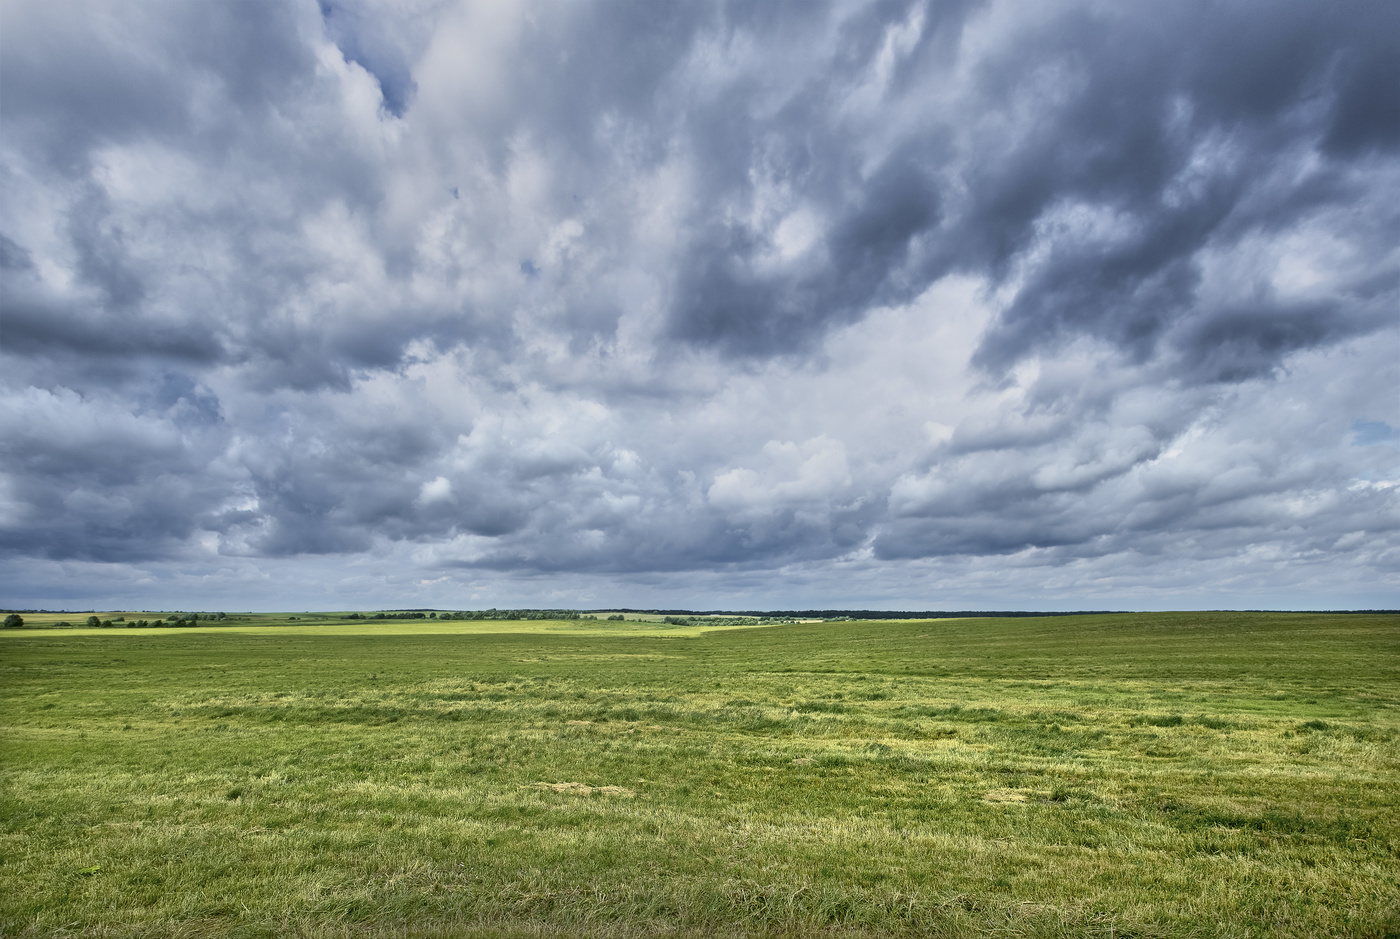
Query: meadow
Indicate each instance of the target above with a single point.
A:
(1130, 775)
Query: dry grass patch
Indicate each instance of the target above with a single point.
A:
(583, 789)
(1006, 795)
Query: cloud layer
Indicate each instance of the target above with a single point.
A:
(897, 303)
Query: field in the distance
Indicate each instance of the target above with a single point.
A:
(1181, 774)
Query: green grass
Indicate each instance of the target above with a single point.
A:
(1181, 774)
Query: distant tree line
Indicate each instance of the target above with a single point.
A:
(170, 621)
(492, 614)
(716, 620)
(15, 621)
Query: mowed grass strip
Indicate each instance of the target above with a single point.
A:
(1131, 775)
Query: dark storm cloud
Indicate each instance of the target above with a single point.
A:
(728, 293)
(225, 92)
(722, 301)
(633, 289)
(96, 481)
(50, 326)
(81, 74)
(1193, 128)
(1188, 127)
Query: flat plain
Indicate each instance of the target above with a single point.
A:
(1166, 774)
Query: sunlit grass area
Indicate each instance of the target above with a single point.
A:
(350, 623)
(1200, 774)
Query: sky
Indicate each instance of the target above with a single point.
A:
(1043, 305)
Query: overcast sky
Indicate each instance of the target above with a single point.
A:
(903, 305)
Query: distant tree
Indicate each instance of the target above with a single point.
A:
(14, 621)
(94, 621)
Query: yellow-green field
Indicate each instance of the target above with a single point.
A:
(340, 624)
(1182, 774)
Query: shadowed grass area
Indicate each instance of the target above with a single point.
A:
(1203, 774)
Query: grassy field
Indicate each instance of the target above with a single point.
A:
(1179, 774)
